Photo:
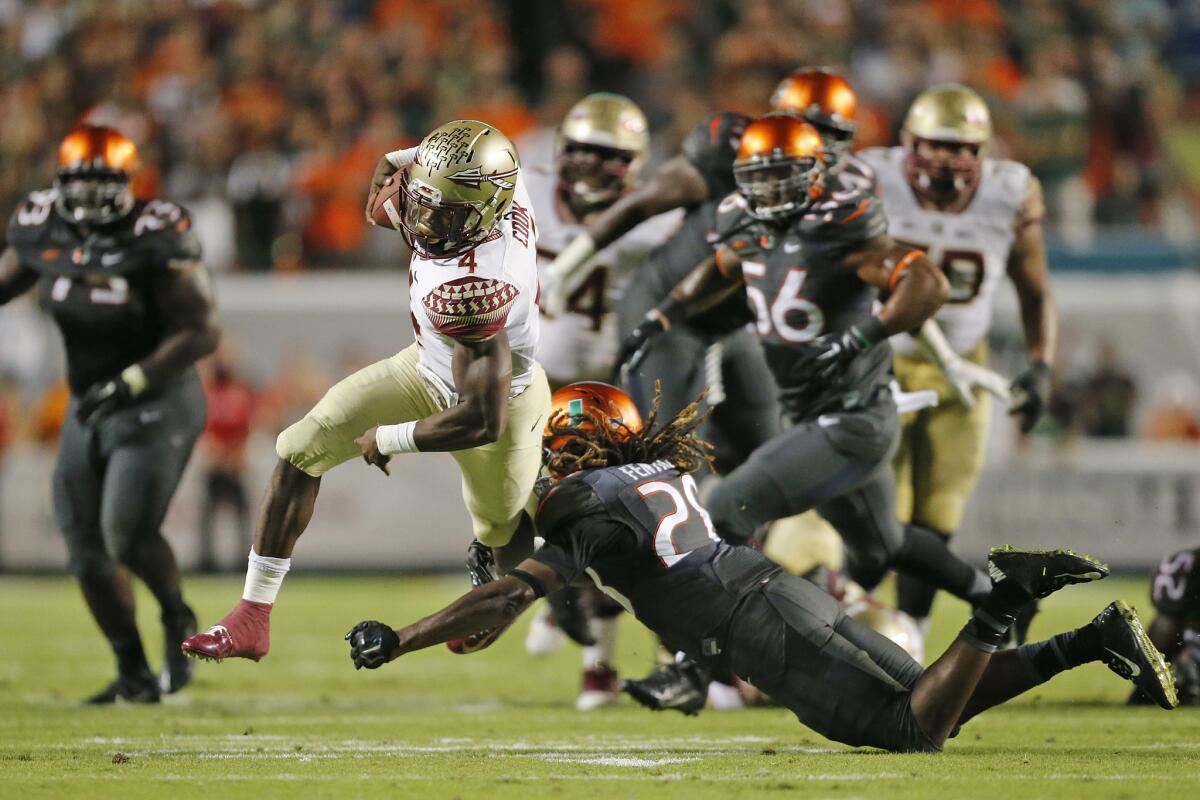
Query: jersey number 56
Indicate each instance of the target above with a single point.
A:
(794, 318)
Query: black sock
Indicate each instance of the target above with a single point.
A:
(993, 617)
(913, 595)
(1062, 652)
(173, 607)
(131, 658)
(925, 555)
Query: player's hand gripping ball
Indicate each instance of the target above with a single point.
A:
(372, 644)
(384, 206)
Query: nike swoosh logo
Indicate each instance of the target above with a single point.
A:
(1134, 669)
(1091, 576)
(826, 421)
(111, 259)
(791, 247)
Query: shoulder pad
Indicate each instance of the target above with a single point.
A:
(848, 218)
(855, 175)
(31, 217)
(572, 498)
(711, 147)
(733, 216)
(167, 228)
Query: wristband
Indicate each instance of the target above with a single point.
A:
(392, 440)
(870, 332)
(401, 158)
(902, 265)
(539, 589)
(573, 256)
(135, 378)
(669, 311)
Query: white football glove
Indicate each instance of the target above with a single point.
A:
(965, 376)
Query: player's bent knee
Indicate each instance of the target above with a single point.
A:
(88, 561)
(302, 444)
(496, 534)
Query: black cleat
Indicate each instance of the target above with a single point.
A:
(1129, 653)
(481, 563)
(681, 686)
(142, 688)
(177, 667)
(1041, 573)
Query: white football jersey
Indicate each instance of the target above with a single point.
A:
(476, 295)
(972, 245)
(581, 344)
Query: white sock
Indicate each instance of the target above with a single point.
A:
(604, 651)
(264, 576)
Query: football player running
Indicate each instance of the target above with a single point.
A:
(1175, 629)
(977, 218)
(602, 144)
(624, 510)
(469, 385)
(813, 262)
(124, 282)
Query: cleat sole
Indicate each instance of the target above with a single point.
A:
(1162, 672)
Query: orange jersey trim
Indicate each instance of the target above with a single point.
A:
(903, 264)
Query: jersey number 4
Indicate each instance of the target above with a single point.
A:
(794, 318)
(678, 532)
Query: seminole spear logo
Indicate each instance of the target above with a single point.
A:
(474, 178)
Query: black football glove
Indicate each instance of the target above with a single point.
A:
(371, 644)
(481, 563)
(635, 346)
(1030, 395)
(101, 400)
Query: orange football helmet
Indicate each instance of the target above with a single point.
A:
(95, 164)
(779, 168)
(825, 100)
(581, 405)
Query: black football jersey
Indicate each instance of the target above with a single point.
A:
(100, 287)
(799, 289)
(640, 532)
(1175, 591)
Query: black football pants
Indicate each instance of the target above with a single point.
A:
(113, 483)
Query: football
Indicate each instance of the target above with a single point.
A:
(386, 210)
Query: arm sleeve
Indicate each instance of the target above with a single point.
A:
(571, 549)
(471, 309)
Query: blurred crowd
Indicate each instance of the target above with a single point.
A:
(265, 117)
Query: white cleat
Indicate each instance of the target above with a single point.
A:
(723, 697)
(600, 689)
(544, 637)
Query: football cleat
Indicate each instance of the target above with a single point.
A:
(141, 688)
(600, 688)
(481, 563)
(544, 637)
(725, 697)
(1129, 653)
(681, 686)
(1041, 573)
(245, 632)
(177, 667)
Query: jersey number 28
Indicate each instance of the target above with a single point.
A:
(678, 532)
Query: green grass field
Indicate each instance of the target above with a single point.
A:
(499, 724)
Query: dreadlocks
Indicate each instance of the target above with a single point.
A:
(603, 444)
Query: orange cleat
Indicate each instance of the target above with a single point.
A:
(245, 632)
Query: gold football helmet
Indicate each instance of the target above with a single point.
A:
(458, 187)
(602, 144)
(95, 164)
(946, 131)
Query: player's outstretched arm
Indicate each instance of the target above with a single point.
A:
(713, 280)
(676, 184)
(483, 376)
(15, 279)
(1039, 314)
(373, 644)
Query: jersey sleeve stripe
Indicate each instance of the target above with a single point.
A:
(902, 265)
